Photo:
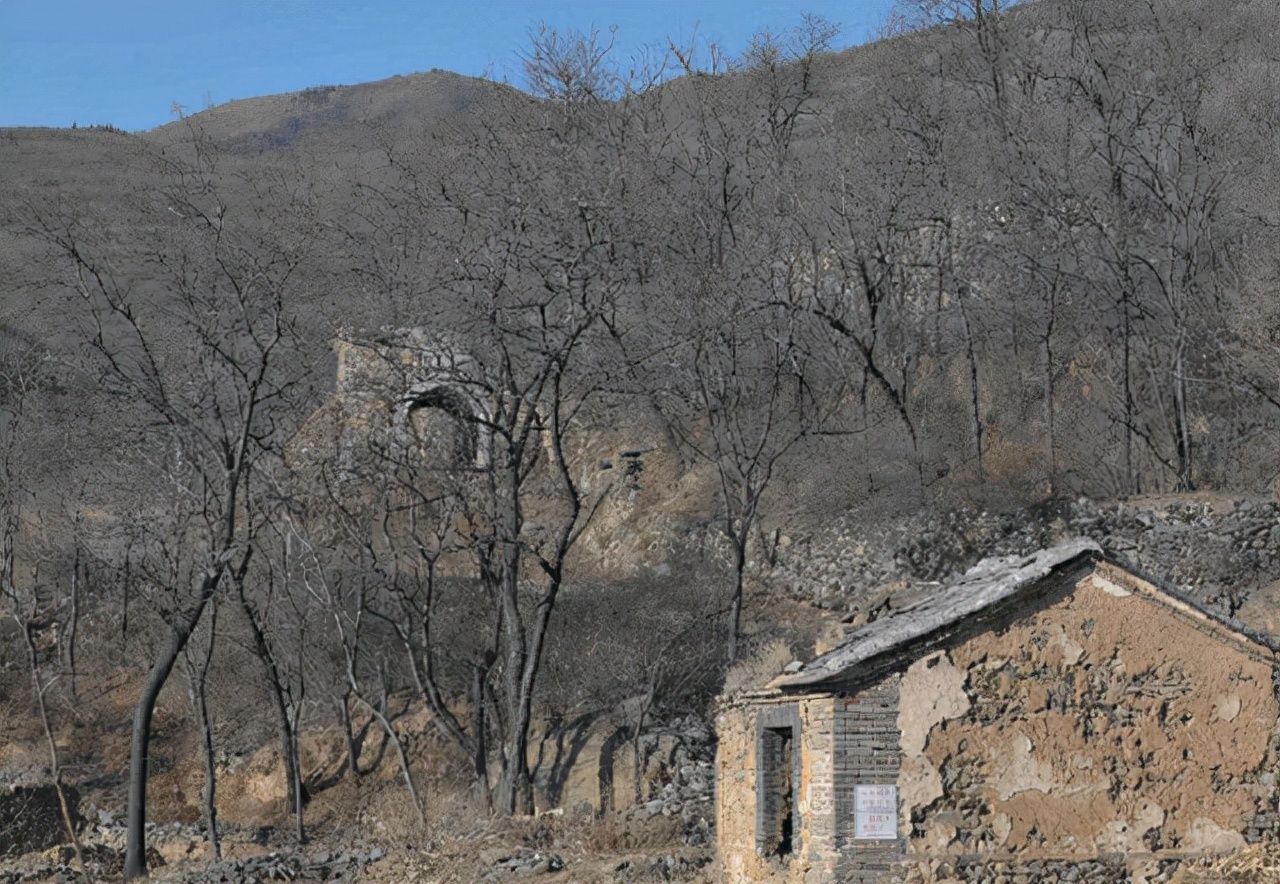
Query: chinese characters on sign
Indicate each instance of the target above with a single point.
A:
(875, 812)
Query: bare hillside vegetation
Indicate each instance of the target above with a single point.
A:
(391, 475)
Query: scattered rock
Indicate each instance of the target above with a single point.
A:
(661, 868)
(522, 861)
(1218, 554)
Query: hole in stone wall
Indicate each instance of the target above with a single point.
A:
(443, 430)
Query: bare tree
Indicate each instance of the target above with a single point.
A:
(190, 330)
(196, 664)
(723, 360)
(342, 584)
(736, 397)
(537, 258)
(22, 382)
(278, 625)
(907, 16)
(1150, 250)
(571, 67)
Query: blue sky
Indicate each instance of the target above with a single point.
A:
(125, 62)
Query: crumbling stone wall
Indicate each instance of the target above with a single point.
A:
(1114, 722)
(399, 383)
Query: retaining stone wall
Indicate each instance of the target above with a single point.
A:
(1217, 551)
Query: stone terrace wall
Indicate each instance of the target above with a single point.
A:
(1217, 551)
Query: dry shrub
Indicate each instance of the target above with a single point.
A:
(571, 835)
(386, 813)
(758, 668)
(458, 812)
(615, 833)
(1256, 864)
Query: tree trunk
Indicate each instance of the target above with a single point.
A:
(637, 748)
(515, 785)
(1182, 421)
(479, 723)
(286, 729)
(135, 860)
(735, 602)
(410, 785)
(975, 402)
(514, 792)
(73, 626)
(297, 792)
(55, 766)
(197, 676)
(1049, 392)
(354, 741)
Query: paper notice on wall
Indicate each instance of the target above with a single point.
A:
(875, 812)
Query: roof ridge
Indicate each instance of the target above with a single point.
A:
(988, 583)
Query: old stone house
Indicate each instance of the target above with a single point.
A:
(1044, 711)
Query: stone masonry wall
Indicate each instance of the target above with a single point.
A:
(738, 777)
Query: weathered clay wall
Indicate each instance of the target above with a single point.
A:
(1112, 722)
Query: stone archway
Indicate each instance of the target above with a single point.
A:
(442, 426)
(445, 425)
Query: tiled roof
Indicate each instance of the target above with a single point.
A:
(983, 586)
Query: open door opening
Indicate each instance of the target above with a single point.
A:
(778, 793)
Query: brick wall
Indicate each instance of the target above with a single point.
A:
(744, 808)
(866, 753)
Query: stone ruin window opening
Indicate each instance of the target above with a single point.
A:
(443, 429)
(777, 792)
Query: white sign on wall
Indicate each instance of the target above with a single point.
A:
(875, 812)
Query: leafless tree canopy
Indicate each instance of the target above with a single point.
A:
(1011, 252)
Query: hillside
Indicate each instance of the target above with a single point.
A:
(476, 438)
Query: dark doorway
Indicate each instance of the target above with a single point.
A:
(443, 430)
(777, 785)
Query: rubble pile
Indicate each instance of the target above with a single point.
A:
(687, 787)
(661, 868)
(521, 861)
(1104, 870)
(323, 866)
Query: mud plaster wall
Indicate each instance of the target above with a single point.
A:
(1109, 722)
(814, 855)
